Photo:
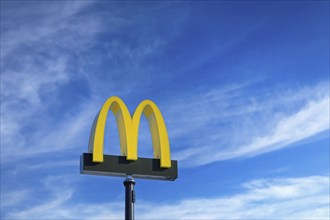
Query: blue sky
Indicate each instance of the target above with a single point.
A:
(243, 87)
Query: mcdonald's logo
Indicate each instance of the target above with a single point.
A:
(160, 167)
(128, 128)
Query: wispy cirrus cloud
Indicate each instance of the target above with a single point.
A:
(261, 199)
(71, 132)
(279, 198)
(38, 62)
(230, 124)
(13, 198)
(34, 65)
(47, 52)
(308, 121)
(46, 23)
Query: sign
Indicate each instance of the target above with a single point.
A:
(160, 167)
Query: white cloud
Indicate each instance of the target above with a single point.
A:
(311, 120)
(36, 49)
(13, 198)
(225, 124)
(45, 24)
(281, 198)
(36, 58)
(263, 199)
(71, 132)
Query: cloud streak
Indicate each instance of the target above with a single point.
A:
(307, 122)
(232, 127)
(38, 62)
(279, 198)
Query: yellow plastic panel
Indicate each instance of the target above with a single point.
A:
(157, 128)
(123, 119)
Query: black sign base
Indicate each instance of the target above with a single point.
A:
(146, 168)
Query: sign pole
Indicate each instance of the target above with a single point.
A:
(129, 198)
(161, 167)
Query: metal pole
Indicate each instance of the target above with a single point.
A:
(129, 198)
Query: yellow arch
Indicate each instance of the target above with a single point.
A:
(128, 129)
(123, 119)
(158, 131)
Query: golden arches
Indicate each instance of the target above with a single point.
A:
(128, 129)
